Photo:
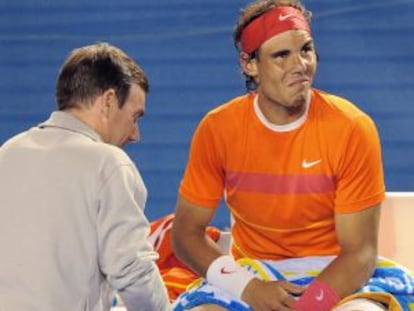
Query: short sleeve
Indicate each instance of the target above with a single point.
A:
(360, 178)
(203, 181)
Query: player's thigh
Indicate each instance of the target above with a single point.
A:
(208, 308)
(360, 304)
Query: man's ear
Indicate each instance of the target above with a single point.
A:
(108, 102)
(248, 64)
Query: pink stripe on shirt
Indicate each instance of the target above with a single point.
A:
(280, 184)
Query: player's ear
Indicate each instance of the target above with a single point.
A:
(248, 64)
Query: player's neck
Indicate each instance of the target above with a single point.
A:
(282, 113)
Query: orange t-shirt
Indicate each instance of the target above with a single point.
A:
(283, 185)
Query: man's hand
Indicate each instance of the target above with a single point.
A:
(271, 296)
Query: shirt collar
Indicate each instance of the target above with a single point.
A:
(66, 121)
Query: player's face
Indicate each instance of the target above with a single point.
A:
(285, 67)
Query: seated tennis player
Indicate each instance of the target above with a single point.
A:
(301, 172)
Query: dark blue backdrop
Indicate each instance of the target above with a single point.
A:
(185, 46)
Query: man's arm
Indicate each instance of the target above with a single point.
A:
(190, 242)
(196, 249)
(357, 235)
(358, 238)
(126, 258)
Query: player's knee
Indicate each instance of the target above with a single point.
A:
(360, 304)
(208, 308)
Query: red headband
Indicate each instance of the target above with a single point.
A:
(270, 24)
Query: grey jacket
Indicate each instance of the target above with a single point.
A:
(72, 226)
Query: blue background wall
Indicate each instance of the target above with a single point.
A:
(185, 46)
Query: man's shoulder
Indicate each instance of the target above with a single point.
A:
(338, 105)
(231, 109)
(108, 152)
(13, 140)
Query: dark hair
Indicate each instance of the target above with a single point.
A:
(91, 70)
(251, 12)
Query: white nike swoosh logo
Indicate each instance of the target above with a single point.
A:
(306, 164)
(285, 17)
(320, 296)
